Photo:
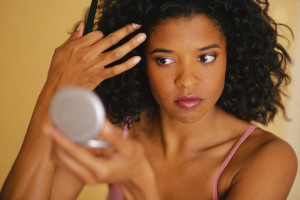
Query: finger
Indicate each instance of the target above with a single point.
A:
(78, 33)
(118, 69)
(118, 53)
(91, 38)
(115, 37)
(48, 129)
(78, 153)
(114, 135)
(68, 146)
(68, 163)
(102, 152)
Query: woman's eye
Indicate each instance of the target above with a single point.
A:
(207, 58)
(164, 61)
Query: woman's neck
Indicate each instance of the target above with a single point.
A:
(174, 137)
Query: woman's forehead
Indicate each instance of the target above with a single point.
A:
(196, 30)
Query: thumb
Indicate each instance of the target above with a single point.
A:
(112, 134)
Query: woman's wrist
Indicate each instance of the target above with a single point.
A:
(42, 106)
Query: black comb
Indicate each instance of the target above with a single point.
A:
(91, 17)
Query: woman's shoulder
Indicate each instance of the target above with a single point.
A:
(269, 147)
(261, 144)
(268, 162)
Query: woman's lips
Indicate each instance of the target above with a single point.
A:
(188, 102)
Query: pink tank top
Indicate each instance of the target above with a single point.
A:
(116, 194)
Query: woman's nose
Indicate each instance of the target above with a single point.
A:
(187, 77)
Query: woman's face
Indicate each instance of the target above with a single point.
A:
(186, 65)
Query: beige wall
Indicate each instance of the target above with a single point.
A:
(31, 30)
(292, 131)
(288, 11)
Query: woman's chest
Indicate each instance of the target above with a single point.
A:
(192, 179)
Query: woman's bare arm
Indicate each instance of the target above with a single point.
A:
(32, 173)
(65, 186)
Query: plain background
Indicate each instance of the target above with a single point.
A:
(31, 30)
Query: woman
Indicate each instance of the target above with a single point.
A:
(181, 81)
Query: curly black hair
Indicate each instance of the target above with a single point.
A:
(256, 62)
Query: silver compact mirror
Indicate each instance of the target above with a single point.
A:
(79, 114)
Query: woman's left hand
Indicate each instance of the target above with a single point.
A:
(125, 163)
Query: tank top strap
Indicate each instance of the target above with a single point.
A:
(115, 193)
(228, 158)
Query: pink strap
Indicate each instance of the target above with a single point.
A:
(228, 158)
(115, 193)
(125, 131)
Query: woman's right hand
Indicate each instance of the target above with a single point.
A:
(80, 61)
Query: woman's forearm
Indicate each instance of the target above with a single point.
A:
(32, 173)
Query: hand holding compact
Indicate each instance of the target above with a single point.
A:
(126, 165)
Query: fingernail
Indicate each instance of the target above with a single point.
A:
(136, 60)
(141, 37)
(136, 26)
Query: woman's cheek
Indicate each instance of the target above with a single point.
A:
(215, 87)
(160, 84)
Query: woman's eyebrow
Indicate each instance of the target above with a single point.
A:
(160, 50)
(210, 47)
